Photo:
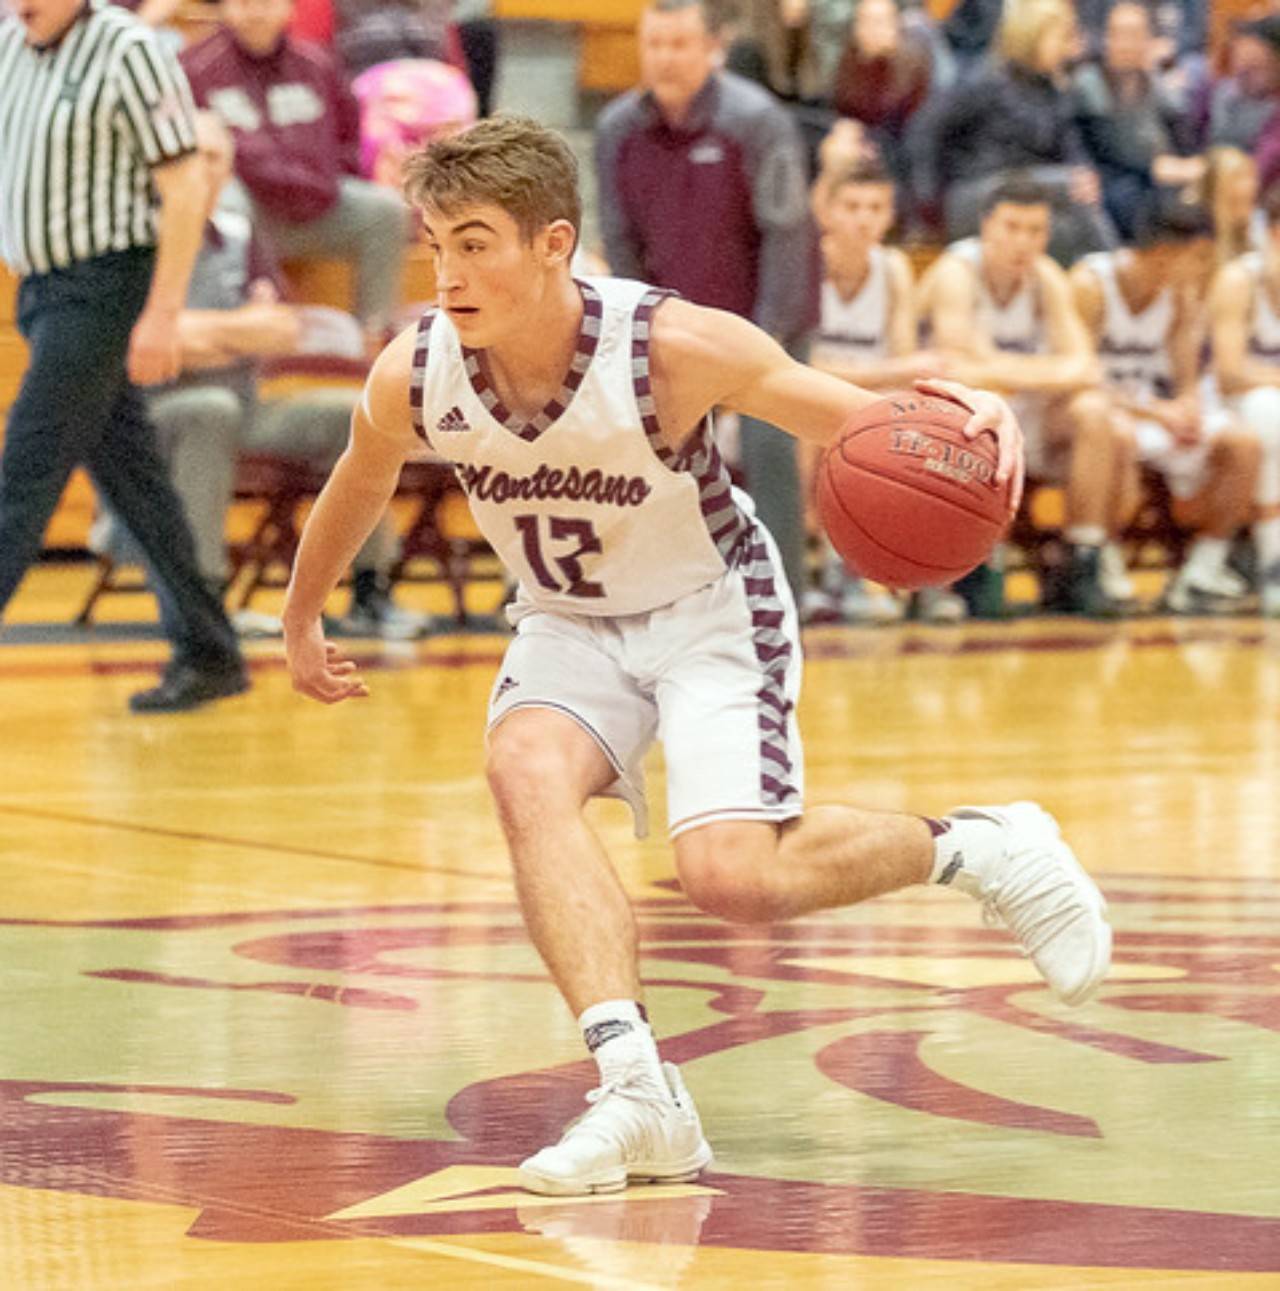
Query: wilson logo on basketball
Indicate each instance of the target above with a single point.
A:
(942, 458)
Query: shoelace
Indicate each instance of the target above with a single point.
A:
(1033, 931)
(621, 1087)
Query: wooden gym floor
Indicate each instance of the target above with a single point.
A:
(271, 1021)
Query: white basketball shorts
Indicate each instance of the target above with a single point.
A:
(1185, 467)
(715, 676)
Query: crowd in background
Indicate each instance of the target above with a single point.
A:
(773, 151)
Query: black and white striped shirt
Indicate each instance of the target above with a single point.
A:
(81, 125)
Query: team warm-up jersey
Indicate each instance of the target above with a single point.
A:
(1133, 349)
(1017, 325)
(585, 504)
(856, 331)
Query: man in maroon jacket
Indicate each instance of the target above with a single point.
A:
(297, 130)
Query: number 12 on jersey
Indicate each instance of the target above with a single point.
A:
(562, 533)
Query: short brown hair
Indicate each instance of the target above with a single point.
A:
(510, 162)
(866, 170)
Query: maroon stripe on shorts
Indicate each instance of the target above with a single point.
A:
(774, 651)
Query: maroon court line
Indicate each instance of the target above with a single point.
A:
(221, 840)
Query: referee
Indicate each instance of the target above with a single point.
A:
(101, 213)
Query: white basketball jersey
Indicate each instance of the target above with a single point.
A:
(1133, 348)
(1017, 325)
(856, 330)
(585, 503)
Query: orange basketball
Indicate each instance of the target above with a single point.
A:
(906, 499)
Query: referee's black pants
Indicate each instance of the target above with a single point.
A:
(77, 406)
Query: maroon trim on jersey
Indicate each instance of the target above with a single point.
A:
(418, 381)
(588, 342)
(700, 457)
(773, 652)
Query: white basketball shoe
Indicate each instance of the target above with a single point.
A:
(1042, 894)
(633, 1132)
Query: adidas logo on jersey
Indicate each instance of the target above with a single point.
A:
(453, 422)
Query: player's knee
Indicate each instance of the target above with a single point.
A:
(723, 880)
(1239, 447)
(1091, 414)
(524, 770)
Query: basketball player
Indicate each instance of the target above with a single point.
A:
(1001, 310)
(1142, 307)
(866, 336)
(1244, 322)
(651, 604)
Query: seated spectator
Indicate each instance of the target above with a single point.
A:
(882, 80)
(1133, 129)
(1266, 143)
(402, 106)
(1235, 108)
(1179, 32)
(1228, 190)
(1244, 330)
(1143, 307)
(1018, 118)
(1001, 312)
(297, 139)
(233, 320)
(790, 46)
(968, 33)
(866, 335)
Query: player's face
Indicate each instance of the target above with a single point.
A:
(45, 20)
(1014, 237)
(859, 215)
(1179, 264)
(489, 277)
(677, 55)
(257, 24)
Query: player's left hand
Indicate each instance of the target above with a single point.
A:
(155, 352)
(989, 412)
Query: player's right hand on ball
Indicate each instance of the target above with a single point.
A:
(318, 670)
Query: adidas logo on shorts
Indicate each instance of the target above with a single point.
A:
(506, 684)
(453, 421)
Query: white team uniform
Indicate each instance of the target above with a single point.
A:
(1133, 350)
(1263, 343)
(1016, 326)
(856, 330)
(650, 603)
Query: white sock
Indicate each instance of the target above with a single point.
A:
(966, 852)
(1266, 538)
(1085, 535)
(1208, 556)
(618, 1034)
